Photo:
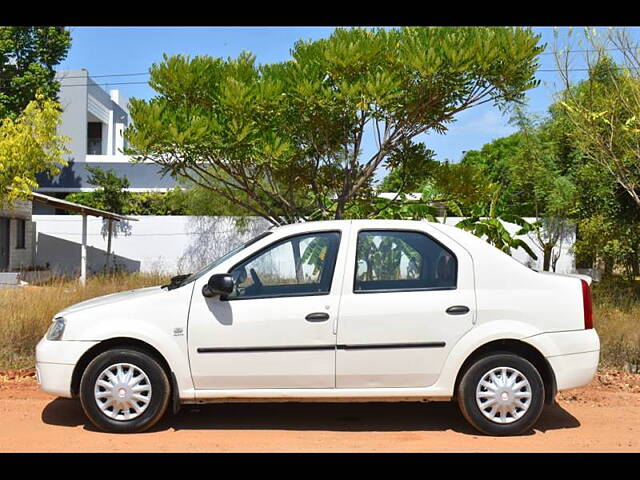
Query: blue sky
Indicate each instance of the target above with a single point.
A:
(124, 50)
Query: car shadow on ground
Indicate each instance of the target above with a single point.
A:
(347, 417)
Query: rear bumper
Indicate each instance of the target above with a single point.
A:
(576, 370)
(573, 355)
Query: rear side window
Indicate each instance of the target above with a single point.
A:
(402, 260)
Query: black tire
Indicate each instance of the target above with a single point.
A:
(466, 395)
(160, 391)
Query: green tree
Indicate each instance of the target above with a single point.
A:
(597, 118)
(410, 166)
(605, 112)
(28, 56)
(111, 194)
(534, 179)
(284, 141)
(28, 146)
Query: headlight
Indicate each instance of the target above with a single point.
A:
(56, 329)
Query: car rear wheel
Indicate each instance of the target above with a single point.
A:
(124, 391)
(501, 394)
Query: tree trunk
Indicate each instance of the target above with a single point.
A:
(634, 264)
(546, 261)
(608, 266)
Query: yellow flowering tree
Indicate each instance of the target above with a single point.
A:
(29, 145)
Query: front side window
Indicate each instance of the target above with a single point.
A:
(402, 260)
(301, 265)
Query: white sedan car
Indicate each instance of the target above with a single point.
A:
(361, 310)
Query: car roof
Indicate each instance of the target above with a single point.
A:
(327, 224)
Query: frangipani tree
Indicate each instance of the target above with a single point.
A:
(285, 141)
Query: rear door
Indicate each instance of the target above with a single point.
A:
(408, 296)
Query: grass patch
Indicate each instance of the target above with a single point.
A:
(616, 310)
(26, 312)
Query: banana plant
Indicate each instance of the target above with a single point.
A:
(491, 227)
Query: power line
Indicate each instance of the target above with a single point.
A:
(586, 51)
(137, 74)
(104, 84)
(105, 75)
(542, 70)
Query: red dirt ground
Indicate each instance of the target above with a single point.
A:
(604, 416)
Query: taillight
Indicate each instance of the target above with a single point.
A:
(587, 306)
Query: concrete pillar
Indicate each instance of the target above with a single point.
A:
(83, 252)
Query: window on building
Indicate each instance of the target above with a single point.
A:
(94, 138)
(402, 260)
(21, 233)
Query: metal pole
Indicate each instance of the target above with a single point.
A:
(83, 252)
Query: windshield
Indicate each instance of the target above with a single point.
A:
(215, 263)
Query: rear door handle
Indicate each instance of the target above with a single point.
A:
(458, 310)
(317, 317)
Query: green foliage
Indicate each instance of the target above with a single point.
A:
(137, 203)
(486, 222)
(528, 167)
(28, 56)
(410, 167)
(111, 193)
(284, 140)
(605, 115)
(534, 178)
(28, 146)
(595, 117)
(195, 200)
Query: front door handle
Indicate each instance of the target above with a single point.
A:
(317, 317)
(458, 310)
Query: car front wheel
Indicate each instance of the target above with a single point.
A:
(124, 391)
(501, 394)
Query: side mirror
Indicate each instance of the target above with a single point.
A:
(219, 284)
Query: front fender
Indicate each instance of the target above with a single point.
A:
(159, 321)
(172, 348)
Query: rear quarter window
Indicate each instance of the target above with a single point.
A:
(402, 260)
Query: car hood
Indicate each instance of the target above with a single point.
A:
(109, 299)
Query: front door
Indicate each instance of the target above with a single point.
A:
(4, 244)
(397, 324)
(277, 328)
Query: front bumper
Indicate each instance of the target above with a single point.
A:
(55, 362)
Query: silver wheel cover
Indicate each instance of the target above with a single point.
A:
(503, 395)
(122, 391)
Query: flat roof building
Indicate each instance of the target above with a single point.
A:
(94, 120)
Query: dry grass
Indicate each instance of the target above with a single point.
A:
(26, 313)
(616, 319)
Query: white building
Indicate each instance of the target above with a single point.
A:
(93, 120)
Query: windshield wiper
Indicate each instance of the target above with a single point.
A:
(176, 281)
